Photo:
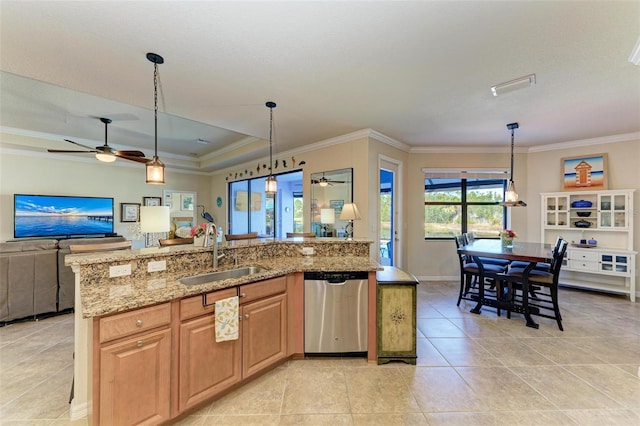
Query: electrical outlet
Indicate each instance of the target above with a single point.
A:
(119, 270)
(159, 265)
(307, 251)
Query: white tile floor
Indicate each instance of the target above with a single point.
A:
(471, 370)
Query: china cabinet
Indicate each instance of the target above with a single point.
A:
(599, 228)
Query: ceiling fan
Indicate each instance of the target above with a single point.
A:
(105, 153)
(323, 181)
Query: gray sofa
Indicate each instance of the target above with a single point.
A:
(34, 279)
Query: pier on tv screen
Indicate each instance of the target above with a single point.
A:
(61, 216)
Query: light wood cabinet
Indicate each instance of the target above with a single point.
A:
(206, 367)
(603, 216)
(264, 333)
(135, 379)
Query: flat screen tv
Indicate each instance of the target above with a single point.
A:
(61, 216)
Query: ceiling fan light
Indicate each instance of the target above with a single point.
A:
(323, 183)
(105, 157)
(271, 185)
(155, 172)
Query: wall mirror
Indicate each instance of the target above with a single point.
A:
(330, 190)
(183, 210)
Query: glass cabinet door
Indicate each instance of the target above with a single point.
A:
(557, 211)
(612, 211)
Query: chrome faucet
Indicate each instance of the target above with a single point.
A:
(212, 232)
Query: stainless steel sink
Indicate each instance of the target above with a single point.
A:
(222, 275)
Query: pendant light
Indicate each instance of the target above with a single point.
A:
(511, 196)
(155, 167)
(271, 185)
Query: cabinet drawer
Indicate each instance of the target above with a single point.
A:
(584, 255)
(580, 265)
(262, 289)
(132, 322)
(192, 307)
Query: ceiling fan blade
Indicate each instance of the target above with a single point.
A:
(136, 159)
(90, 148)
(70, 151)
(129, 153)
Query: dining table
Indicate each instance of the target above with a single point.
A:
(522, 251)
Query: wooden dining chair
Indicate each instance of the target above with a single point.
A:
(545, 284)
(175, 241)
(540, 266)
(250, 236)
(470, 274)
(301, 234)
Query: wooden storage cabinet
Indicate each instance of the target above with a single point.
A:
(264, 325)
(610, 218)
(206, 367)
(135, 368)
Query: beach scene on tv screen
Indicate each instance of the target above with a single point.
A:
(37, 215)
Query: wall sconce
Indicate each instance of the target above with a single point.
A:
(350, 213)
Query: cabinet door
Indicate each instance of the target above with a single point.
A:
(264, 333)
(206, 366)
(612, 209)
(135, 380)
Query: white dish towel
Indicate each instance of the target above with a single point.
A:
(227, 319)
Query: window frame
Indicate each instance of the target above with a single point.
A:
(464, 211)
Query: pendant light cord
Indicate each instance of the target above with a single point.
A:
(270, 140)
(512, 130)
(155, 109)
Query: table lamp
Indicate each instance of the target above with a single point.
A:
(350, 213)
(154, 219)
(327, 217)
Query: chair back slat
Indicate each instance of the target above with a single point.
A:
(558, 257)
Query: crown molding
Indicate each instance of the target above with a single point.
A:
(625, 137)
(465, 150)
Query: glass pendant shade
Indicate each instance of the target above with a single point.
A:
(511, 196)
(155, 171)
(271, 185)
(106, 157)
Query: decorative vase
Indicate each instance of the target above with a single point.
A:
(507, 242)
(199, 241)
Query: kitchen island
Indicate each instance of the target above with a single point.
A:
(150, 290)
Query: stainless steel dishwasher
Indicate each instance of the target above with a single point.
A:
(335, 312)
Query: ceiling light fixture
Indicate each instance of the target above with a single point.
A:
(106, 155)
(155, 167)
(510, 86)
(511, 196)
(271, 185)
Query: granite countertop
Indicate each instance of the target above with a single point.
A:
(123, 293)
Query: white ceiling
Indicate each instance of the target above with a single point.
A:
(418, 72)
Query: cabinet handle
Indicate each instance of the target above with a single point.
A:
(140, 343)
(243, 295)
(246, 316)
(139, 323)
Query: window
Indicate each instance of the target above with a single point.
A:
(252, 210)
(456, 205)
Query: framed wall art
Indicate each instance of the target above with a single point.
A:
(152, 201)
(336, 205)
(586, 172)
(129, 212)
(186, 202)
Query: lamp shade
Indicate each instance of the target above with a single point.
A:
(154, 219)
(327, 216)
(350, 212)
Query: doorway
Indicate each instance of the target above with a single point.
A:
(388, 213)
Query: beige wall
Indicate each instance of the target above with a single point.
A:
(52, 176)
(535, 172)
